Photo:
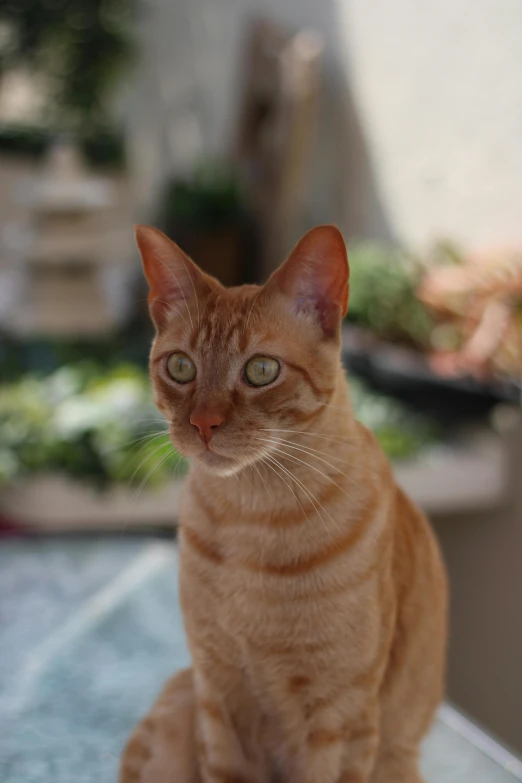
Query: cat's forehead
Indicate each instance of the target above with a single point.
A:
(225, 320)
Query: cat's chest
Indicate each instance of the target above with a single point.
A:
(253, 590)
(265, 581)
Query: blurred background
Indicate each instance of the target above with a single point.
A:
(236, 125)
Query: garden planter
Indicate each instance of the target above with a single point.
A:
(56, 503)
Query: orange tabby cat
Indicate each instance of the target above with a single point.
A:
(312, 589)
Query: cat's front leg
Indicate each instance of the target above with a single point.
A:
(314, 746)
(361, 745)
(337, 750)
(162, 747)
(221, 754)
(323, 736)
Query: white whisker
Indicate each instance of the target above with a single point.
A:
(289, 474)
(311, 497)
(193, 288)
(336, 438)
(313, 452)
(256, 468)
(252, 307)
(320, 472)
(244, 473)
(149, 436)
(172, 274)
(157, 419)
(309, 450)
(146, 457)
(172, 307)
(156, 465)
(205, 308)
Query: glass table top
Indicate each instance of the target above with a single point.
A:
(90, 628)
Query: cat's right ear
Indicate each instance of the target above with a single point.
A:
(315, 278)
(174, 280)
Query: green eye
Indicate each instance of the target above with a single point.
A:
(261, 370)
(181, 368)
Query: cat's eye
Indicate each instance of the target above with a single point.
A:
(180, 367)
(261, 370)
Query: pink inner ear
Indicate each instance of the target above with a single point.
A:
(315, 276)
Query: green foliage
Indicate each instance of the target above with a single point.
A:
(210, 199)
(130, 344)
(402, 433)
(383, 281)
(80, 46)
(86, 422)
(22, 140)
(102, 147)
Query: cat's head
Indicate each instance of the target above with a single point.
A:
(234, 368)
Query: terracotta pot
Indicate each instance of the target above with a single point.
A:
(229, 252)
(218, 252)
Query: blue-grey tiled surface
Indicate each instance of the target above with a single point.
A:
(90, 629)
(43, 582)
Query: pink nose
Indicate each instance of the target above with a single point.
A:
(206, 422)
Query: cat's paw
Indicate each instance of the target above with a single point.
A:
(137, 755)
(155, 754)
(161, 749)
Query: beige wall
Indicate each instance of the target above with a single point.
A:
(438, 89)
(421, 132)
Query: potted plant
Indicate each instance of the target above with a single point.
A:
(383, 298)
(207, 216)
(84, 447)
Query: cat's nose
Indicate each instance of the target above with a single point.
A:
(207, 423)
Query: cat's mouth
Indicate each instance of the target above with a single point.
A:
(219, 458)
(207, 454)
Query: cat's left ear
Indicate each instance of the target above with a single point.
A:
(315, 276)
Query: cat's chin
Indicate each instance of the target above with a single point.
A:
(218, 464)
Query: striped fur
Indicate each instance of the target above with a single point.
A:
(312, 589)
